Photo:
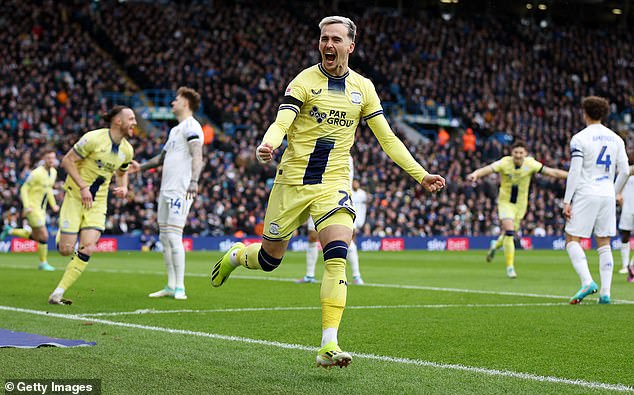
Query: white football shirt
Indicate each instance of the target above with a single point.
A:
(177, 167)
(628, 196)
(603, 152)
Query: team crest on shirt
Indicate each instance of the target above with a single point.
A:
(274, 229)
(121, 156)
(65, 224)
(355, 97)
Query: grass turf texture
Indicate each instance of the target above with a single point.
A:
(545, 337)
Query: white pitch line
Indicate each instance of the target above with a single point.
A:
(408, 361)
(394, 286)
(304, 308)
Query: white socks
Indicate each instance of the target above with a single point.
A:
(178, 258)
(606, 266)
(311, 259)
(328, 335)
(625, 254)
(579, 262)
(167, 258)
(353, 259)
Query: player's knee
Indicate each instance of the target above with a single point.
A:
(509, 233)
(335, 249)
(65, 249)
(267, 262)
(313, 236)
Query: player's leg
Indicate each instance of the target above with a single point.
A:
(353, 259)
(173, 234)
(604, 229)
(162, 219)
(312, 253)
(509, 247)
(335, 234)
(580, 225)
(280, 221)
(40, 234)
(625, 251)
(88, 239)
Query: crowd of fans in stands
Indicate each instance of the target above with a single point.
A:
(496, 77)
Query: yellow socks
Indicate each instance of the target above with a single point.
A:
(74, 269)
(500, 241)
(23, 233)
(42, 251)
(509, 250)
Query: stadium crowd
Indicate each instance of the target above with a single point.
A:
(514, 79)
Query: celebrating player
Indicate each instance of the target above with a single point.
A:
(597, 154)
(319, 114)
(516, 172)
(90, 165)
(36, 192)
(182, 161)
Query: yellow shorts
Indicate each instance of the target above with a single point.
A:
(36, 218)
(516, 212)
(290, 205)
(73, 217)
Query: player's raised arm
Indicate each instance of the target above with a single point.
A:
(397, 151)
(552, 172)
(479, 173)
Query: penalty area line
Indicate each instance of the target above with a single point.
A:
(382, 358)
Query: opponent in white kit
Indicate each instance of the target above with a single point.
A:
(182, 163)
(597, 154)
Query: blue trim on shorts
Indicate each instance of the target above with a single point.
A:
(333, 211)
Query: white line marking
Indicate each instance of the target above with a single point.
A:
(395, 286)
(303, 308)
(408, 361)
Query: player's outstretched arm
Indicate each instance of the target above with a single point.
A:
(154, 162)
(397, 151)
(556, 173)
(479, 173)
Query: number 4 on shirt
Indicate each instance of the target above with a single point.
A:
(604, 160)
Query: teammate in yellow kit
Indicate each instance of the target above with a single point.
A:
(319, 115)
(90, 165)
(35, 194)
(516, 172)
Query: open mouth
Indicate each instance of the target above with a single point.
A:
(330, 57)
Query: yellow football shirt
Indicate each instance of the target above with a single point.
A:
(326, 112)
(38, 188)
(515, 180)
(101, 158)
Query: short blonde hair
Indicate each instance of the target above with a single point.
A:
(347, 22)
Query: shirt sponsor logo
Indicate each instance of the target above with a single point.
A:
(319, 116)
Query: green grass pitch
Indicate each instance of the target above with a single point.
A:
(426, 322)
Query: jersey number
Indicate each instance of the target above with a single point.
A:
(345, 200)
(604, 160)
(175, 205)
